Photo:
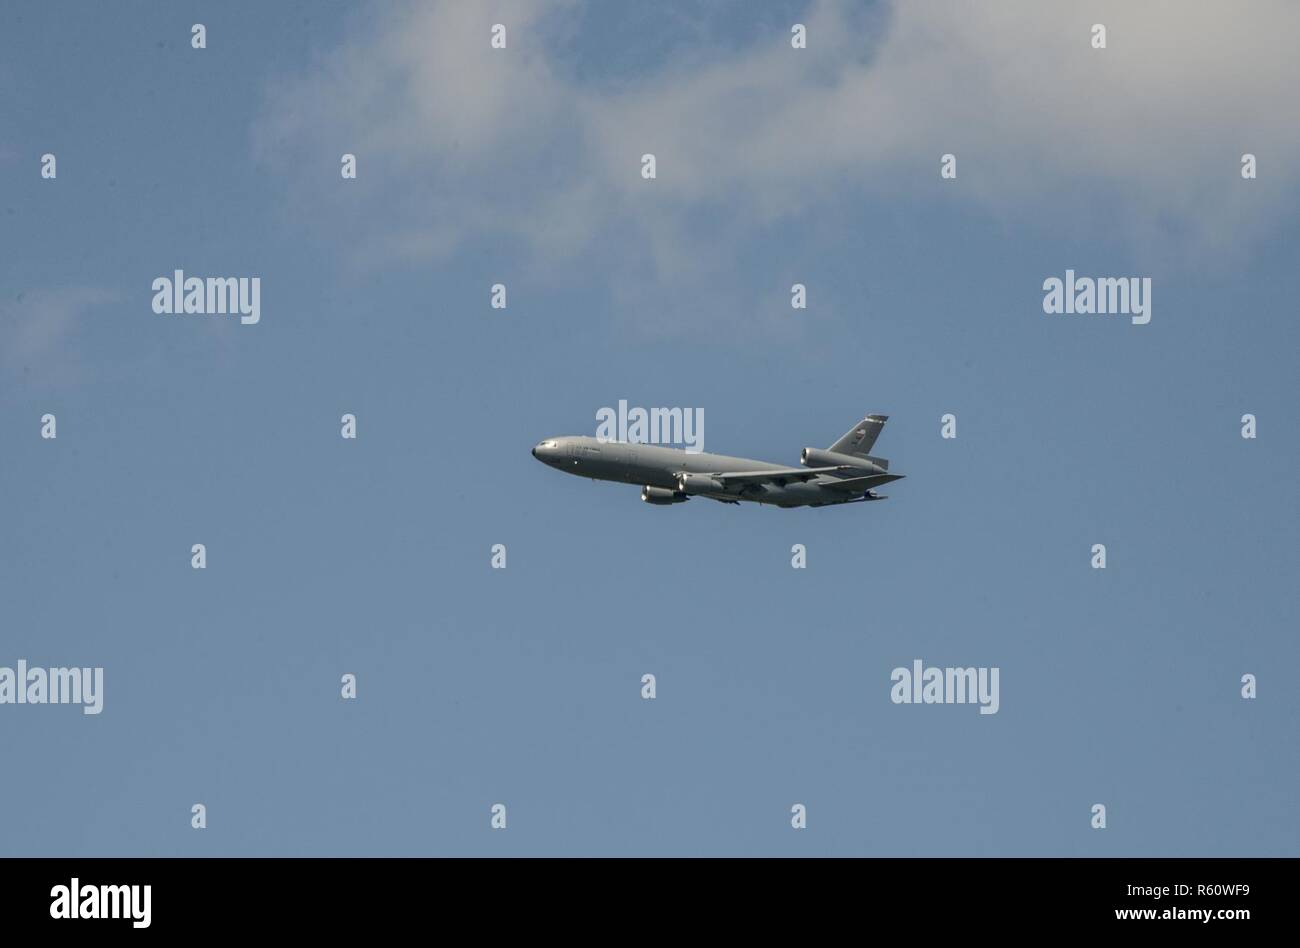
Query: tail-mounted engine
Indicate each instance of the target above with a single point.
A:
(816, 457)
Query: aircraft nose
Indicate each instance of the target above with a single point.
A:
(534, 452)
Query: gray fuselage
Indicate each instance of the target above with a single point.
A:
(652, 465)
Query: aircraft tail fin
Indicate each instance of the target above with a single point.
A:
(859, 439)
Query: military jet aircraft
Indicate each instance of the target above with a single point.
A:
(844, 473)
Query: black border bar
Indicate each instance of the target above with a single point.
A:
(210, 896)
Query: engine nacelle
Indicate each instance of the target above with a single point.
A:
(699, 484)
(816, 457)
(661, 496)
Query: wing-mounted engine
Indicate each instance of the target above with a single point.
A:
(699, 484)
(662, 497)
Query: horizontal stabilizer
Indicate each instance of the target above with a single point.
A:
(862, 483)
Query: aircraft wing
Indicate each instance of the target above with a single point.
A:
(780, 476)
(862, 483)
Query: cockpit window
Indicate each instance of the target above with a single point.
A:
(550, 444)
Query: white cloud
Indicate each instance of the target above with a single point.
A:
(459, 142)
(36, 326)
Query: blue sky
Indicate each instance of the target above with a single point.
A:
(522, 686)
